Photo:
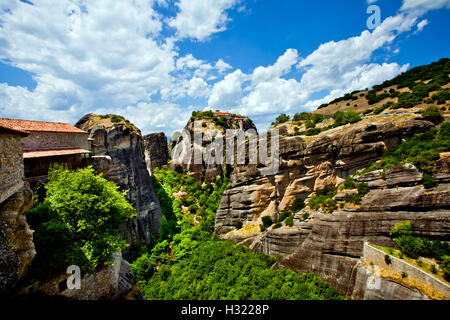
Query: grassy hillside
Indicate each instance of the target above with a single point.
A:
(411, 91)
(418, 90)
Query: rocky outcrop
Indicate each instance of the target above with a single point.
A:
(410, 198)
(123, 143)
(201, 170)
(308, 166)
(16, 239)
(156, 151)
(334, 247)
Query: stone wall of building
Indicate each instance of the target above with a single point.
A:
(38, 140)
(11, 165)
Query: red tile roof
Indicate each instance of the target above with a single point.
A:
(13, 131)
(28, 125)
(53, 153)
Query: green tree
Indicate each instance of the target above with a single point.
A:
(78, 221)
(282, 118)
(433, 114)
(302, 116)
(309, 124)
(342, 118)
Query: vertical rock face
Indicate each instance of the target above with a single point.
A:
(156, 151)
(203, 171)
(16, 239)
(123, 142)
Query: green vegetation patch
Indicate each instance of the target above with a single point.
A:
(78, 221)
(222, 270)
(438, 71)
(415, 247)
(422, 150)
(324, 200)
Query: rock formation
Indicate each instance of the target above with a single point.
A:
(123, 142)
(16, 239)
(309, 166)
(156, 151)
(203, 172)
(331, 244)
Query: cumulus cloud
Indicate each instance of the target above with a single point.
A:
(197, 87)
(282, 66)
(228, 92)
(335, 67)
(122, 57)
(198, 19)
(98, 57)
(103, 57)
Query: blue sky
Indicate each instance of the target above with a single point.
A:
(155, 61)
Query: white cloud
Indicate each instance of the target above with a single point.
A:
(197, 87)
(282, 66)
(421, 6)
(198, 19)
(110, 56)
(228, 92)
(335, 67)
(222, 66)
(108, 59)
(422, 25)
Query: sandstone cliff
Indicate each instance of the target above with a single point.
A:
(123, 142)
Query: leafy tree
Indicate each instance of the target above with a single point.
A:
(401, 229)
(445, 266)
(298, 205)
(416, 246)
(284, 214)
(302, 116)
(317, 118)
(289, 221)
(267, 221)
(349, 183)
(221, 122)
(324, 200)
(442, 96)
(78, 221)
(363, 188)
(342, 118)
(309, 124)
(282, 118)
(433, 114)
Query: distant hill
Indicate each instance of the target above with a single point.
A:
(411, 91)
